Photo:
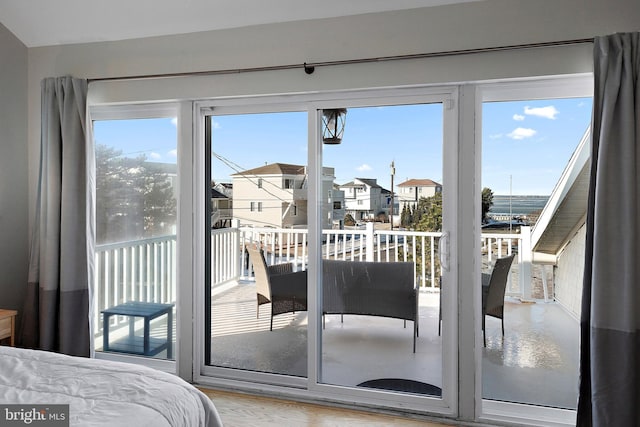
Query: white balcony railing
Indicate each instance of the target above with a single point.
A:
(140, 270)
(145, 270)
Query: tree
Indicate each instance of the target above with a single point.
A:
(428, 213)
(426, 216)
(487, 202)
(406, 216)
(134, 198)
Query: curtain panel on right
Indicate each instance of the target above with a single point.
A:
(610, 323)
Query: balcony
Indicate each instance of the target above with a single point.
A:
(536, 361)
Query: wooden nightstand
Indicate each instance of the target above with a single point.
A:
(8, 326)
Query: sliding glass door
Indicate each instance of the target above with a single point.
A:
(287, 217)
(257, 221)
(381, 270)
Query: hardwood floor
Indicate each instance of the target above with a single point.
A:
(240, 410)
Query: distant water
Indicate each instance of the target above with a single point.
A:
(520, 205)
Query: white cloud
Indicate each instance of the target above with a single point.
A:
(154, 156)
(173, 153)
(521, 133)
(518, 117)
(496, 136)
(215, 125)
(363, 168)
(174, 121)
(549, 112)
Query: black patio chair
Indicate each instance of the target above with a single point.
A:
(279, 285)
(493, 289)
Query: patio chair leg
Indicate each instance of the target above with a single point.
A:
(484, 334)
(502, 326)
(405, 324)
(271, 325)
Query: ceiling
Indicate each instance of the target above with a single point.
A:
(47, 22)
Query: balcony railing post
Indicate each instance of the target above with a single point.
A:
(525, 262)
(370, 242)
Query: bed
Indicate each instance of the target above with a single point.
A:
(102, 393)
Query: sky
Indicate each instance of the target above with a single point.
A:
(525, 144)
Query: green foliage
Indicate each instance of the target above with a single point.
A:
(427, 215)
(134, 198)
(487, 202)
(406, 217)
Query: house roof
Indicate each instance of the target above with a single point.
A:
(275, 169)
(566, 209)
(215, 194)
(419, 183)
(371, 182)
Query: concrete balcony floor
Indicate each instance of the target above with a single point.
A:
(536, 362)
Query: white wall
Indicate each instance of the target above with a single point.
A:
(454, 27)
(570, 273)
(14, 237)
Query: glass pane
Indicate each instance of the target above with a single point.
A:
(380, 265)
(535, 182)
(136, 185)
(258, 322)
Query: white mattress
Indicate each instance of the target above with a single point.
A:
(102, 393)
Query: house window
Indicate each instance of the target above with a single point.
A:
(294, 210)
(360, 202)
(253, 206)
(259, 182)
(288, 184)
(337, 205)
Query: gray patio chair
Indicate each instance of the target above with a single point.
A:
(279, 285)
(493, 289)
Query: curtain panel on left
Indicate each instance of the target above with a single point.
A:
(58, 304)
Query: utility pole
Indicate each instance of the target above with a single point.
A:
(393, 172)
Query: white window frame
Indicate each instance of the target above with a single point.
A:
(140, 112)
(465, 372)
(533, 89)
(313, 103)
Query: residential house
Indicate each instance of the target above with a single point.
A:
(275, 195)
(411, 190)
(221, 207)
(337, 207)
(487, 32)
(365, 200)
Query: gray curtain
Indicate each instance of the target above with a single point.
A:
(610, 324)
(57, 311)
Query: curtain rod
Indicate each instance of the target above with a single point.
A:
(310, 67)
